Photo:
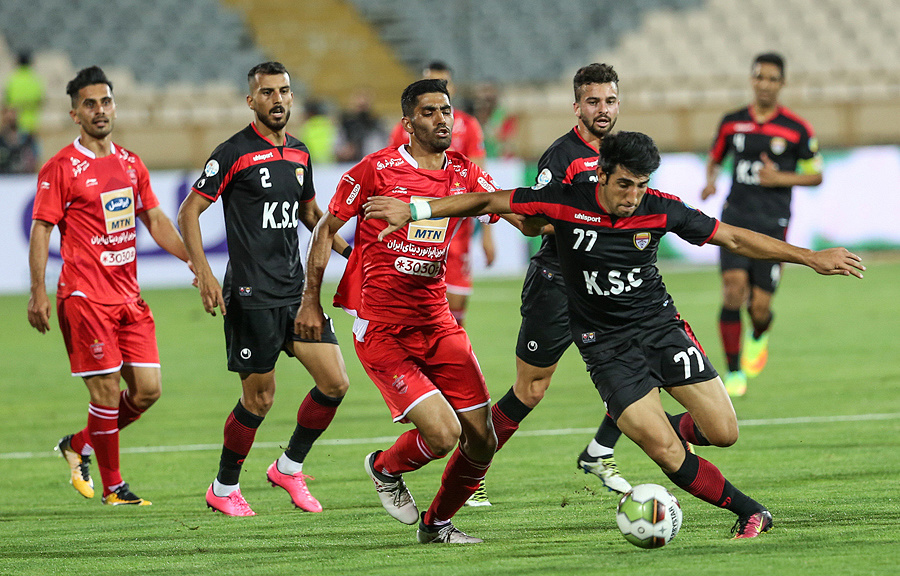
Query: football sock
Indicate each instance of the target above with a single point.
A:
(409, 452)
(223, 490)
(104, 434)
(702, 479)
(607, 434)
(597, 450)
(461, 478)
(240, 430)
(760, 328)
(730, 331)
(687, 430)
(506, 415)
(128, 412)
(81, 443)
(315, 414)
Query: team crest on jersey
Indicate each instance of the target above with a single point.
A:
(211, 168)
(588, 337)
(641, 240)
(457, 188)
(778, 145)
(118, 210)
(97, 350)
(299, 172)
(400, 384)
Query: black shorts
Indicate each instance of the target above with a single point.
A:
(254, 337)
(544, 334)
(763, 274)
(625, 368)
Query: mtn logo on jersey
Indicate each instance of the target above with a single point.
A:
(641, 240)
(432, 231)
(118, 209)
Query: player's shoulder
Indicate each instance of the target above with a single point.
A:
(128, 156)
(291, 141)
(662, 197)
(741, 114)
(568, 147)
(787, 115)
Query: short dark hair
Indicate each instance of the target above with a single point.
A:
(86, 77)
(410, 97)
(593, 74)
(634, 151)
(439, 66)
(266, 69)
(770, 58)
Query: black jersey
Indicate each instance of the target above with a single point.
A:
(609, 263)
(569, 159)
(785, 138)
(262, 187)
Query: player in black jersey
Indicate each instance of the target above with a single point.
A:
(623, 320)
(264, 177)
(544, 334)
(773, 149)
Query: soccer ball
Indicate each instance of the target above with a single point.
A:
(649, 516)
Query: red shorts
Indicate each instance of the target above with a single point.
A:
(100, 338)
(411, 363)
(459, 274)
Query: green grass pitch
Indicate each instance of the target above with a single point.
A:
(820, 446)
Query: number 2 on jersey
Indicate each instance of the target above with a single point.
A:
(264, 177)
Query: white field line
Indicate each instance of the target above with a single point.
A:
(385, 439)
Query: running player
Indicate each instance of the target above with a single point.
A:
(623, 321)
(774, 149)
(544, 334)
(264, 177)
(93, 190)
(411, 347)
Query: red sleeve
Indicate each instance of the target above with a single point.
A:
(51, 193)
(399, 136)
(720, 145)
(352, 191)
(144, 196)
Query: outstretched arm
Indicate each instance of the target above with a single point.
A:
(310, 316)
(832, 261)
(397, 212)
(164, 232)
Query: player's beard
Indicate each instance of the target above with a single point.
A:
(601, 132)
(97, 132)
(275, 125)
(430, 140)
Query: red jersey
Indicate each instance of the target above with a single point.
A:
(400, 280)
(95, 202)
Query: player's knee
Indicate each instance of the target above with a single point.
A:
(724, 435)
(668, 453)
(442, 442)
(147, 396)
(336, 388)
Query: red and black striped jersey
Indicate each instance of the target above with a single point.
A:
(262, 187)
(569, 159)
(609, 263)
(786, 138)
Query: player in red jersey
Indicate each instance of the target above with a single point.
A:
(94, 191)
(406, 339)
(774, 149)
(468, 139)
(264, 177)
(623, 321)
